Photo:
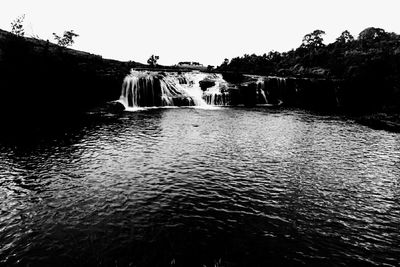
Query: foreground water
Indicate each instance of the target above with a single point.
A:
(192, 187)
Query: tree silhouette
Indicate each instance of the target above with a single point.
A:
(313, 40)
(210, 68)
(372, 33)
(345, 37)
(16, 26)
(67, 39)
(152, 61)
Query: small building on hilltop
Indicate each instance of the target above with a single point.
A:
(191, 65)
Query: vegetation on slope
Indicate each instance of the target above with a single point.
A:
(41, 81)
(369, 65)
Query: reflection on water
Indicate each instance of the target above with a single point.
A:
(192, 187)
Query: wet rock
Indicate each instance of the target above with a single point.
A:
(115, 107)
(182, 80)
(248, 94)
(234, 96)
(381, 121)
(206, 83)
(183, 101)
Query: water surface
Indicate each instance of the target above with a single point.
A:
(193, 187)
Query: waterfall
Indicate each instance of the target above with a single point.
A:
(153, 89)
(274, 89)
(218, 94)
(191, 86)
(262, 98)
(159, 89)
(139, 89)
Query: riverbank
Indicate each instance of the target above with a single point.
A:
(42, 81)
(382, 121)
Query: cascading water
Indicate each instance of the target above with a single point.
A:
(157, 89)
(192, 87)
(139, 89)
(218, 94)
(275, 88)
(152, 89)
(270, 89)
(262, 98)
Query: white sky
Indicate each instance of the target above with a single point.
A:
(204, 30)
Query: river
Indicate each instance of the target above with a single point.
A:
(199, 187)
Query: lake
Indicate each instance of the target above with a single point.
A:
(199, 187)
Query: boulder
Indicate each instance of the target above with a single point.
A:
(115, 106)
(206, 83)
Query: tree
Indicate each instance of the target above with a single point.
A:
(17, 26)
(345, 37)
(313, 40)
(224, 64)
(67, 39)
(372, 33)
(273, 56)
(152, 61)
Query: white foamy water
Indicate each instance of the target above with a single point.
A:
(153, 89)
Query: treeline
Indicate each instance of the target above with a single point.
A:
(368, 66)
(373, 49)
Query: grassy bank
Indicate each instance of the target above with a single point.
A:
(43, 81)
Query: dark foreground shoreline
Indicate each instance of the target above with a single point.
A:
(382, 121)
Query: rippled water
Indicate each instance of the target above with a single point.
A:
(191, 187)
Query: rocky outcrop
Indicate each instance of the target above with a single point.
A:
(206, 83)
(305, 93)
(321, 94)
(115, 106)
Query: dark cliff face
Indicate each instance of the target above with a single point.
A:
(40, 81)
